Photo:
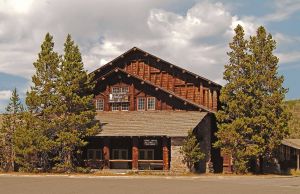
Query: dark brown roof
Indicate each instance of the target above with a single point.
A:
(116, 70)
(294, 143)
(149, 123)
(114, 61)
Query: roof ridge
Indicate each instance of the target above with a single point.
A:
(178, 67)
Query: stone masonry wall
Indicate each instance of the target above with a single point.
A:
(176, 163)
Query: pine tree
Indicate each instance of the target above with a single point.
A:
(77, 113)
(269, 117)
(31, 144)
(43, 99)
(191, 151)
(233, 131)
(11, 120)
(252, 121)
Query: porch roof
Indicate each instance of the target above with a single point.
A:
(294, 143)
(149, 123)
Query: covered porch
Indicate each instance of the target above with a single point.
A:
(136, 153)
(143, 140)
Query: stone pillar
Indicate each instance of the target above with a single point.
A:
(165, 153)
(106, 152)
(177, 164)
(135, 153)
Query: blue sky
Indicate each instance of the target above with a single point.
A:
(193, 34)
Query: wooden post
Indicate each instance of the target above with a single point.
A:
(206, 98)
(106, 154)
(132, 94)
(298, 160)
(215, 100)
(165, 153)
(201, 94)
(135, 153)
(210, 103)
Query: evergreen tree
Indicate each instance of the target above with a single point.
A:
(253, 120)
(43, 99)
(11, 120)
(269, 116)
(191, 151)
(233, 132)
(31, 144)
(77, 112)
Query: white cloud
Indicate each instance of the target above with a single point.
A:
(5, 94)
(283, 10)
(195, 39)
(288, 57)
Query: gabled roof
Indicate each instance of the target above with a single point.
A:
(134, 49)
(149, 123)
(118, 70)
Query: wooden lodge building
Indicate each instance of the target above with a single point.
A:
(146, 106)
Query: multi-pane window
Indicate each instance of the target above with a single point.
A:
(124, 89)
(94, 154)
(150, 103)
(124, 106)
(141, 103)
(115, 90)
(114, 106)
(99, 104)
(120, 154)
(146, 154)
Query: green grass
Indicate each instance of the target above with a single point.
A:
(294, 124)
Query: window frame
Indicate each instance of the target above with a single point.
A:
(138, 104)
(94, 151)
(96, 103)
(119, 154)
(116, 106)
(146, 154)
(122, 108)
(154, 101)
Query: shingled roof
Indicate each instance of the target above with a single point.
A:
(294, 143)
(149, 123)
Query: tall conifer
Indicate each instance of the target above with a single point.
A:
(77, 118)
(43, 99)
(11, 120)
(252, 121)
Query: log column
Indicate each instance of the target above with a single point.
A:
(210, 101)
(165, 153)
(135, 153)
(201, 94)
(298, 160)
(106, 153)
(215, 100)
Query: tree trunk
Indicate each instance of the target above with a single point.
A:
(261, 165)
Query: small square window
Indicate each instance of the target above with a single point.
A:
(141, 103)
(150, 103)
(124, 90)
(94, 154)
